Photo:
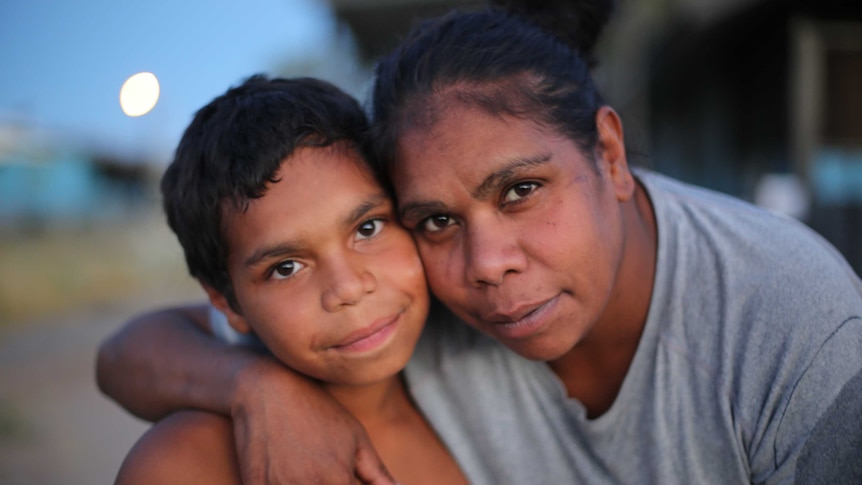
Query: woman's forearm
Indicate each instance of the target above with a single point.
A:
(164, 361)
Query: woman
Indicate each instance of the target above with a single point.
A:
(671, 334)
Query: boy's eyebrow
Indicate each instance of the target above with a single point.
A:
(492, 183)
(270, 251)
(295, 246)
(364, 208)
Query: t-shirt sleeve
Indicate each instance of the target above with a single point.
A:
(820, 432)
(833, 452)
(221, 329)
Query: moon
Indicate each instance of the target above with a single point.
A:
(139, 94)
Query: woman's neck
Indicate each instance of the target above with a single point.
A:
(593, 372)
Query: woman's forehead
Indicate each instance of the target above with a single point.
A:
(468, 145)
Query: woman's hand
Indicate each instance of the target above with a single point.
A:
(290, 431)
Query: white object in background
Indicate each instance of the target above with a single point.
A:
(783, 193)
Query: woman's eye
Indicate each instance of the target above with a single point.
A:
(286, 269)
(437, 223)
(369, 229)
(519, 191)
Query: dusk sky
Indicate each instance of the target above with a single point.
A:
(64, 61)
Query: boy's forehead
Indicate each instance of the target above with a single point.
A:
(342, 150)
(328, 182)
(317, 164)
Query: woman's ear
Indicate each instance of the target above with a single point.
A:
(218, 300)
(612, 152)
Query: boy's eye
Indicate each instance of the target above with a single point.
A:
(519, 191)
(286, 269)
(369, 229)
(437, 223)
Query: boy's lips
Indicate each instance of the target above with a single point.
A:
(369, 337)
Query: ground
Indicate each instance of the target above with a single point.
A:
(55, 426)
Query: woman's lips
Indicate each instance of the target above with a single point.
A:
(524, 323)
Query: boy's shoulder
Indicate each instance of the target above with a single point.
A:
(187, 447)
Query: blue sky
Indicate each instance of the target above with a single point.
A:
(64, 61)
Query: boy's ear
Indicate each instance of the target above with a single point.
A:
(218, 300)
(612, 153)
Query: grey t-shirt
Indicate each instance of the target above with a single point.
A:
(749, 364)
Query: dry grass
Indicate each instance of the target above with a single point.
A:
(65, 270)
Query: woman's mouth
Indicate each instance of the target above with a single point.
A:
(525, 322)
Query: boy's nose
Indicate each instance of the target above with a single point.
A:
(348, 283)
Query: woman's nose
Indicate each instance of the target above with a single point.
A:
(491, 252)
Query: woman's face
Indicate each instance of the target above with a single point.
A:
(520, 232)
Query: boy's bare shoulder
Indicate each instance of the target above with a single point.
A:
(187, 447)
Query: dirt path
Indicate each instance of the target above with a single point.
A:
(55, 426)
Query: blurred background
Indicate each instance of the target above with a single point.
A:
(758, 98)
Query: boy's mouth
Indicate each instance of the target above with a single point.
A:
(369, 337)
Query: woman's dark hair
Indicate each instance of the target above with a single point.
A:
(233, 148)
(531, 61)
(579, 23)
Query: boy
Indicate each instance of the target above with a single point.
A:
(292, 238)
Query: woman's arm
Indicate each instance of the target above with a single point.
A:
(166, 360)
(287, 429)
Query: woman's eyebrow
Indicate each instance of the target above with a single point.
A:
(413, 211)
(503, 175)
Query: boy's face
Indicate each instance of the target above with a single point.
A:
(324, 274)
